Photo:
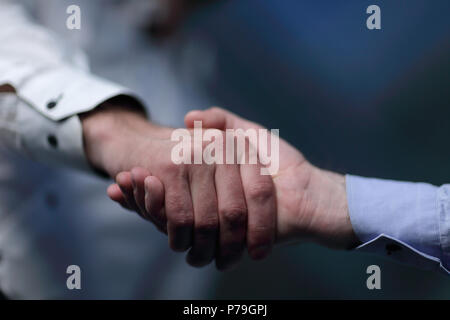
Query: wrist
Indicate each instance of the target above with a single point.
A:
(336, 230)
(7, 88)
(109, 131)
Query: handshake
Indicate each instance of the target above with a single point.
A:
(218, 205)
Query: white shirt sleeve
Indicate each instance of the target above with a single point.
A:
(52, 84)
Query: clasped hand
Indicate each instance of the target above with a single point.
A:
(217, 210)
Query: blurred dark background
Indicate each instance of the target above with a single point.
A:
(371, 103)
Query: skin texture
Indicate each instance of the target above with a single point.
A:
(188, 202)
(311, 203)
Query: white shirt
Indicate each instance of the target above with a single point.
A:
(52, 217)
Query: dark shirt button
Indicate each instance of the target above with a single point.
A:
(392, 247)
(51, 104)
(52, 141)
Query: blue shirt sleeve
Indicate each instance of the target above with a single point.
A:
(409, 222)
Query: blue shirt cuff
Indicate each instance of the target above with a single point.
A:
(390, 217)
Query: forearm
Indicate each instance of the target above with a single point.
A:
(333, 207)
(52, 85)
(109, 128)
(112, 133)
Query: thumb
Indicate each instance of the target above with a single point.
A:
(216, 118)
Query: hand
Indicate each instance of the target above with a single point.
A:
(189, 202)
(312, 203)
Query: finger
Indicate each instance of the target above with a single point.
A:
(261, 207)
(179, 212)
(232, 216)
(206, 221)
(138, 176)
(210, 119)
(259, 190)
(218, 118)
(115, 194)
(154, 201)
(123, 180)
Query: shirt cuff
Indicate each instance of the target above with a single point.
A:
(61, 92)
(402, 220)
(47, 106)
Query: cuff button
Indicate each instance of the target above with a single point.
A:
(52, 141)
(51, 104)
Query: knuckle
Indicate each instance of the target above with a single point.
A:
(214, 109)
(234, 216)
(138, 172)
(172, 169)
(261, 191)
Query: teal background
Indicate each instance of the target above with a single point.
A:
(372, 103)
